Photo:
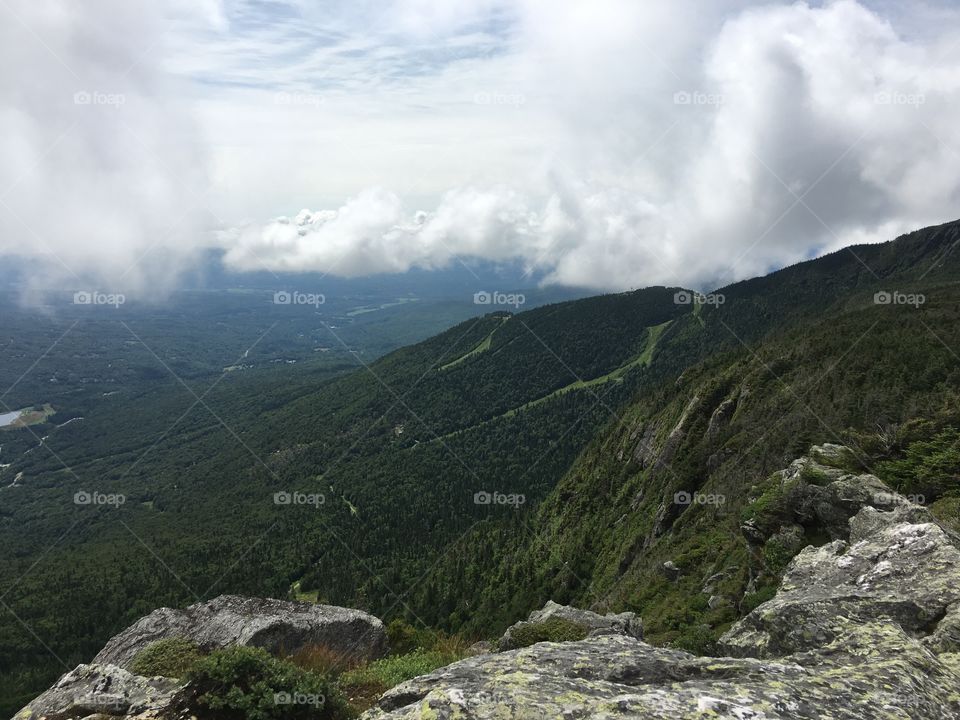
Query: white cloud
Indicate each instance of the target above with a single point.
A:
(609, 145)
(676, 150)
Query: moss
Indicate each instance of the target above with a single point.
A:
(776, 556)
(553, 629)
(171, 657)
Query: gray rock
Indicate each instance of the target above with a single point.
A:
(906, 573)
(483, 647)
(626, 623)
(101, 689)
(275, 625)
(670, 570)
(615, 676)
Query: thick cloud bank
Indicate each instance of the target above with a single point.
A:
(100, 173)
(695, 146)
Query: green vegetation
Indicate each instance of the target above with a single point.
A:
(249, 684)
(929, 469)
(553, 629)
(171, 657)
(678, 399)
(381, 675)
(483, 346)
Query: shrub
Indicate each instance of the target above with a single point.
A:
(755, 599)
(553, 629)
(403, 637)
(249, 683)
(170, 657)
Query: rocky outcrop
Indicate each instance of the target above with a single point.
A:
(92, 690)
(275, 625)
(106, 687)
(907, 574)
(593, 624)
(862, 627)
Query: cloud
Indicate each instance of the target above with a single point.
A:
(695, 151)
(101, 177)
(609, 146)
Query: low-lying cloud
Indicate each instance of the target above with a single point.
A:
(101, 175)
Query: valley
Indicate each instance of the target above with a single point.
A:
(596, 412)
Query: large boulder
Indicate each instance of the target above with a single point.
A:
(278, 626)
(107, 688)
(589, 622)
(91, 690)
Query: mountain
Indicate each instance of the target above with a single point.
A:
(517, 457)
(651, 517)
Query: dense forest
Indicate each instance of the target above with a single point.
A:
(411, 459)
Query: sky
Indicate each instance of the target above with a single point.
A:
(609, 144)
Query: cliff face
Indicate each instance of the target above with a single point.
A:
(867, 626)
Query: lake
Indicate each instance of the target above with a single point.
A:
(9, 418)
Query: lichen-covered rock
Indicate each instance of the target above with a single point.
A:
(102, 690)
(615, 676)
(593, 624)
(275, 625)
(908, 573)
